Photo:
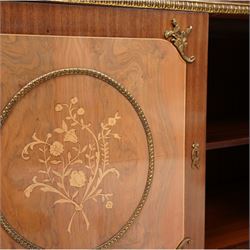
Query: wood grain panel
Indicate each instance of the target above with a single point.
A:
(196, 97)
(156, 79)
(76, 20)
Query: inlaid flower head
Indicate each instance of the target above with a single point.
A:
(74, 100)
(58, 107)
(112, 121)
(56, 148)
(109, 204)
(80, 111)
(77, 179)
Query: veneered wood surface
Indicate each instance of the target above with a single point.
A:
(77, 20)
(157, 81)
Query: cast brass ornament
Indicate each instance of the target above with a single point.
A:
(179, 39)
(77, 178)
(195, 155)
(183, 244)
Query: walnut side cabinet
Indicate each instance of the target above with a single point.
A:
(124, 124)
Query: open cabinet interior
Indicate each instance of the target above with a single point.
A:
(227, 166)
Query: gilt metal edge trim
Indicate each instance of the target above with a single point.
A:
(18, 238)
(192, 6)
(178, 38)
(184, 242)
(122, 90)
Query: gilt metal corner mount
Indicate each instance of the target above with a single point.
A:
(184, 243)
(178, 38)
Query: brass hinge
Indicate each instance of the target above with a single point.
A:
(178, 38)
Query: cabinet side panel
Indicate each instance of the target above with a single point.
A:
(196, 132)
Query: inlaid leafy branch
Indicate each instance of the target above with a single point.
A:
(72, 171)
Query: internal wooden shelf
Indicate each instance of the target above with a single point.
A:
(227, 134)
(227, 224)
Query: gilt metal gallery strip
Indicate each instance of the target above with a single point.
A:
(122, 90)
(222, 7)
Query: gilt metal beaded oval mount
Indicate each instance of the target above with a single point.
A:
(150, 147)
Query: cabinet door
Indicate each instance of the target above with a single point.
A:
(92, 142)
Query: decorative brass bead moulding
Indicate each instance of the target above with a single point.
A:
(222, 7)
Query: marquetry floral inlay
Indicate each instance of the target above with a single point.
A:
(73, 169)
